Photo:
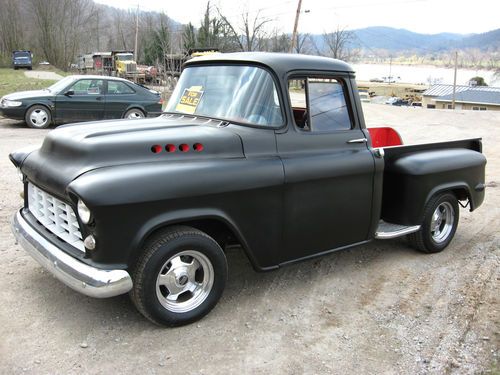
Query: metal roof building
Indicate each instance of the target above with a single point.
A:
(466, 97)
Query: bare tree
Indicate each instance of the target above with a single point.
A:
(303, 44)
(337, 43)
(11, 32)
(278, 42)
(250, 34)
(62, 26)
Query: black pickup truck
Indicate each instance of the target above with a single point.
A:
(266, 151)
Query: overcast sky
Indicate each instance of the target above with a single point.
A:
(318, 16)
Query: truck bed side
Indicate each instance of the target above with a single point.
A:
(414, 173)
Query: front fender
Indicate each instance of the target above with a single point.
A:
(129, 202)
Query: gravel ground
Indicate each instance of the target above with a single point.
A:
(379, 308)
(41, 74)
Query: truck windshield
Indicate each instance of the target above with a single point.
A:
(125, 57)
(244, 94)
(22, 55)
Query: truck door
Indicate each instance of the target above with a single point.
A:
(329, 169)
(82, 101)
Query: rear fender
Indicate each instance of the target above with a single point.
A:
(456, 188)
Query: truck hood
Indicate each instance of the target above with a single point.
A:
(28, 94)
(72, 150)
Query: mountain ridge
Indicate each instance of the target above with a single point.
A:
(393, 39)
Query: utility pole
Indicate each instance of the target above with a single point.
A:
(294, 35)
(454, 82)
(136, 31)
(390, 69)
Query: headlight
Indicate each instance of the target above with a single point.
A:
(11, 103)
(83, 212)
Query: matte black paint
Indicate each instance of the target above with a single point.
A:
(284, 194)
(413, 178)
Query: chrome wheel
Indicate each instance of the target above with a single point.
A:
(39, 117)
(442, 222)
(184, 281)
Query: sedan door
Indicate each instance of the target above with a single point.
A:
(82, 101)
(119, 97)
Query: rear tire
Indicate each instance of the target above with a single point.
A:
(134, 113)
(439, 225)
(179, 277)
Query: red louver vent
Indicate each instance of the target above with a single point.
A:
(183, 147)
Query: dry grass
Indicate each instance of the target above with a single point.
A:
(14, 80)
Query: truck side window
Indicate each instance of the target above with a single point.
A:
(319, 104)
(297, 93)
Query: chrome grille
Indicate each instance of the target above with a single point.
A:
(131, 67)
(55, 215)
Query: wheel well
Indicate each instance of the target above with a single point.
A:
(131, 108)
(218, 230)
(37, 104)
(461, 193)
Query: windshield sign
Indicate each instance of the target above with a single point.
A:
(243, 94)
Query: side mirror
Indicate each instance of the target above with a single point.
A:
(69, 93)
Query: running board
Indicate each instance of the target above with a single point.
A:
(387, 231)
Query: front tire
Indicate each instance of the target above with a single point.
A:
(38, 117)
(439, 225)
(179, 277)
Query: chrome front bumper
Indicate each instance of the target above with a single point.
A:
(91, 281)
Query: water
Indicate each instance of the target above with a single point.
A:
(421, 74)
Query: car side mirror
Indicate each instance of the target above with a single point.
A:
(69, 93)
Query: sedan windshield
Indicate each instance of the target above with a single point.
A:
(242, 94)
(62, 84)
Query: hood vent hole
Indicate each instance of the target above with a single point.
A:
(156, 149)
(170, 148)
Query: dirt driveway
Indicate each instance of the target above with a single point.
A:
(380, 308)
(41, 74)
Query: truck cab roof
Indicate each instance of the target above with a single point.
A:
(278, 62)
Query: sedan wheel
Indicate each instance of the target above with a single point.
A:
(38, 117)
(134, 113)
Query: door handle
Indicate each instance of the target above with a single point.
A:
(99, 98)
(358, 140)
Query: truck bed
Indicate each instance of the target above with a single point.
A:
(414, 173)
